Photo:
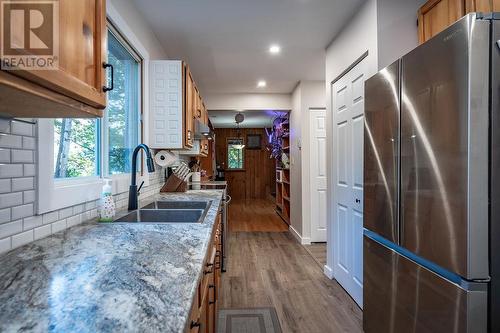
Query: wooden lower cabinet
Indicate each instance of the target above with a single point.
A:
(204, 312)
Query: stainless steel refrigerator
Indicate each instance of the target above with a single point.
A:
(432, 185)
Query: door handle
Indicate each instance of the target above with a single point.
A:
(357, 200)
(105, 88)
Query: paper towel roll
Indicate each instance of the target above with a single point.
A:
(165, 158)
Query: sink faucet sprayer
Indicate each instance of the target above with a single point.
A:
(133, 191)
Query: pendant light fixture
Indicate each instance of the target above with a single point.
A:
(239, 118)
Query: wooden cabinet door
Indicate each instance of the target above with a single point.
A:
(188, 110)
(82, 51)
(200, 108)
(484, 6)
(436, 15)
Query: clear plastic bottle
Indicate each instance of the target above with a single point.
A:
(107, 210)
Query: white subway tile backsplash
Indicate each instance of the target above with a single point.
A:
(29, 143)
(50, 217)
(18, 196)
(29, 170)
(10, 141)
(23, 184)
(43, 231)
(20, 128)
(5, 215)
(32, 222)
(11, 170)
(78, 209)
(4, 155)
(5, 245)
(11, 199)
(22, 239)
(4, 125)
(22, 211)
(58, 226)
(74, 220)
(5, 186)
(11, 228)
(90, 205)
(21, 156)
(66, 212)
(29, 196)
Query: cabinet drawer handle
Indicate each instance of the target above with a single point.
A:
(211, 302)
(212, 286)
(105, 88)
(195, 324)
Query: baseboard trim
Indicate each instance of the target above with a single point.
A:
(298, 237)
(328, 272)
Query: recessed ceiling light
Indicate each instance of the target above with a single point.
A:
(261, 84)
(274, 49)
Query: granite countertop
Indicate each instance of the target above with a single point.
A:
(107, 277)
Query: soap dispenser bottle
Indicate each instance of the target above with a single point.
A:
(107, 211)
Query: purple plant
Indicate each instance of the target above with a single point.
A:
(275, 138)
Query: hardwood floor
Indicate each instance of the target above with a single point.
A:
(318, 252)
(254, 215)
(272, 269)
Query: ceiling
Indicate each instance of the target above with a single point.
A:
(226, 42)
(253, 119)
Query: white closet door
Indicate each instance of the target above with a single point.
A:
(348, 116)
(318, 176)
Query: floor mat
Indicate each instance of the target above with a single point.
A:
(254, 320)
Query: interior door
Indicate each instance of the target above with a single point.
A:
(318, 174)
(348, 115)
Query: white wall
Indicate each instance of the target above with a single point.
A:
(313, 97)
(248, 101)
(307, 95)
(359, 36)
(295, 163)
(136, 22)
(397, 29)
(387, 30)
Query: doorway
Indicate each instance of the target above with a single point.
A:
(348, 131)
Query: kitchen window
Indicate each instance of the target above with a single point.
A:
(235, 153)
(75, 154)
(76, 148)
(122, 117)
(78, 141)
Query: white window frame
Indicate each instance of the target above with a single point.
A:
(54, 194)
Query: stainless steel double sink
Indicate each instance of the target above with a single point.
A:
(168, 212)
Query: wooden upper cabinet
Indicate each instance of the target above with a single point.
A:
(436, 15)
(191, 106)
(483, 6)
(199, 107)
(75, 87)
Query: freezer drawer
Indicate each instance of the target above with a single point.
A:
(402, 296)
(444, 149)
(381, 153)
